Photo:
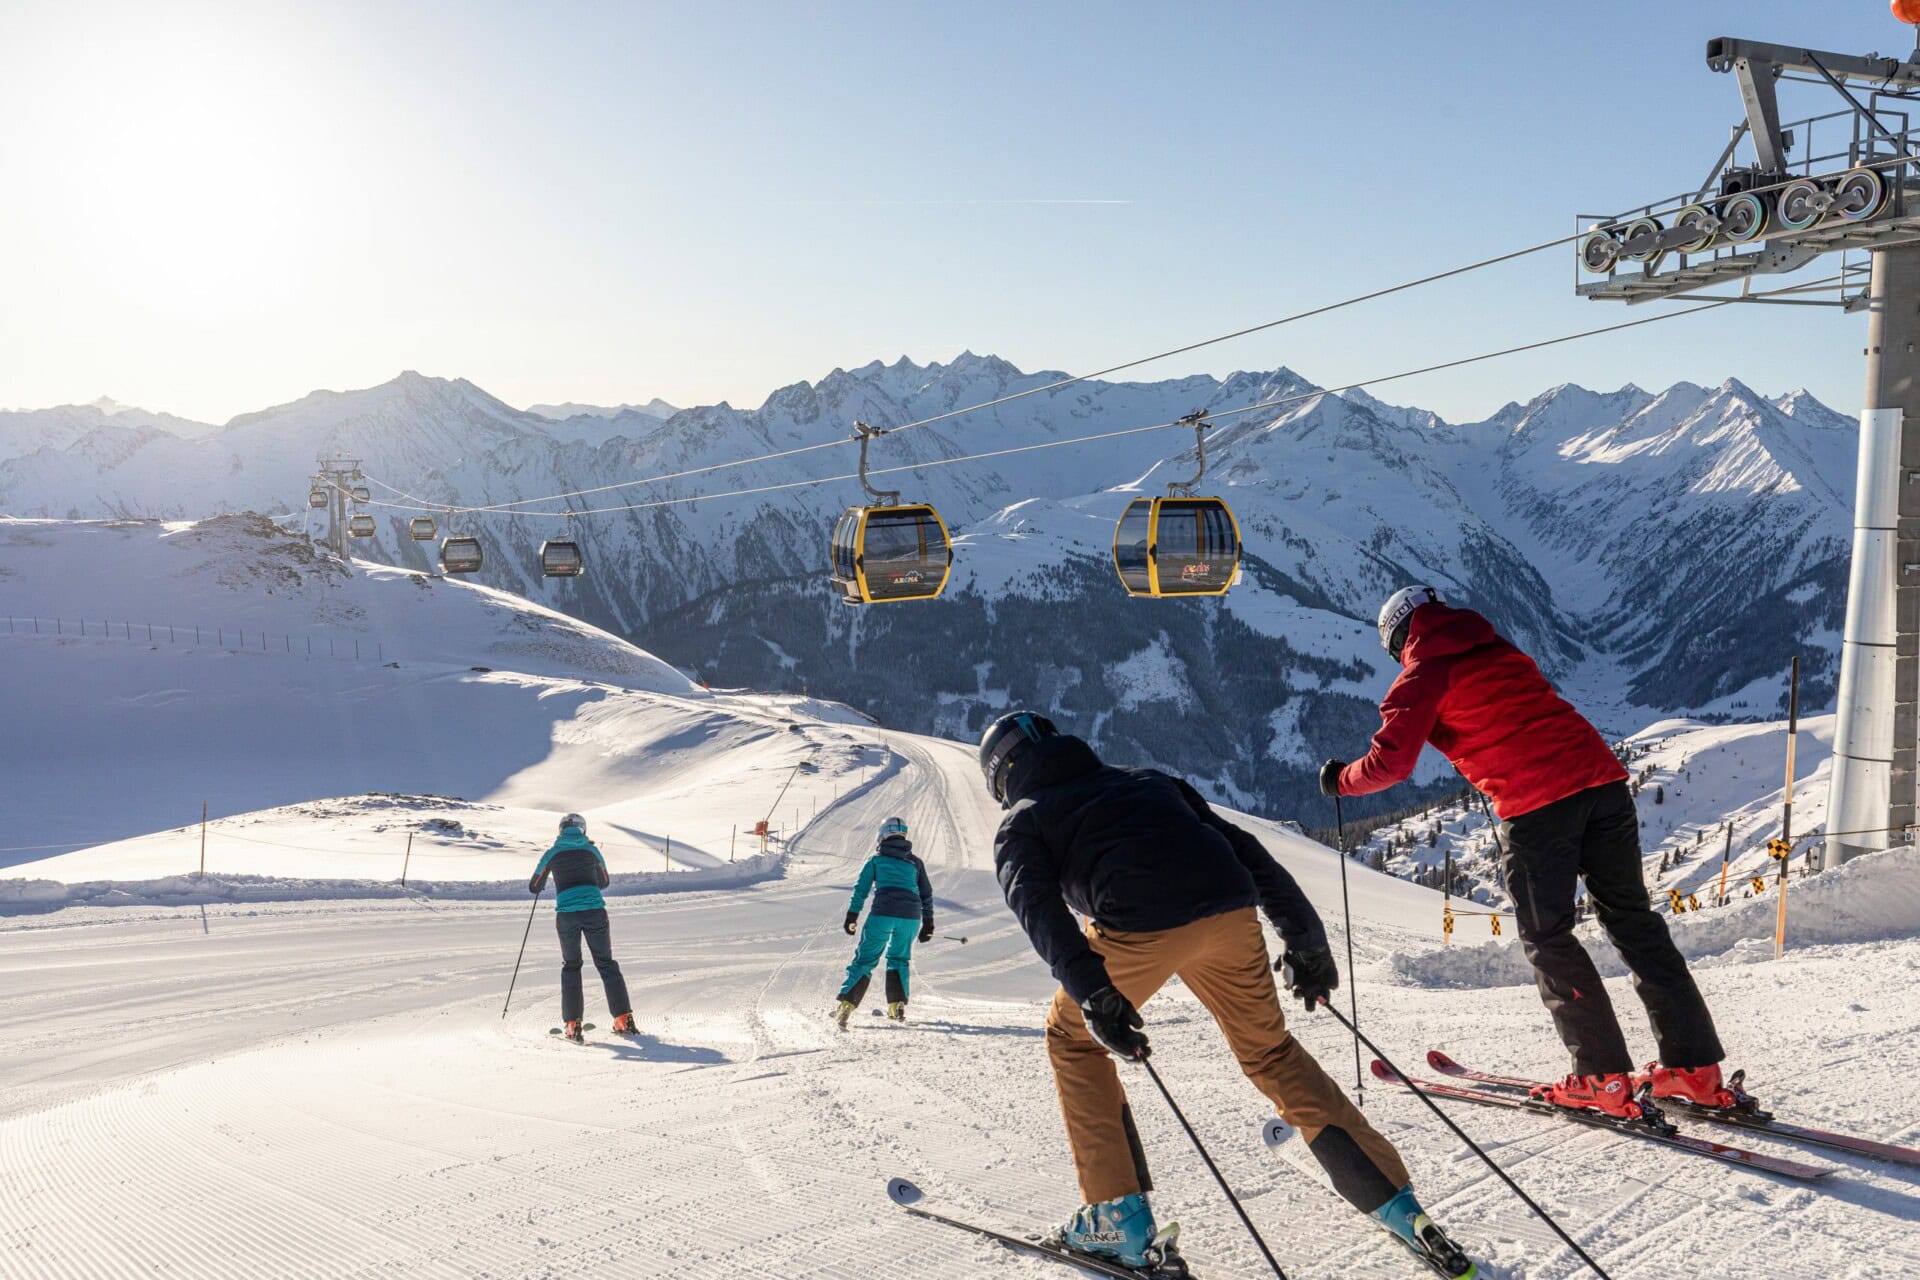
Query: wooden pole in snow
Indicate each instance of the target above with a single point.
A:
(201, 873)
(1786, 808)
(1726, 855)
(408, 862)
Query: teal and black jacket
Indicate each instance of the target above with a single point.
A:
(898, 881)
(578, 871)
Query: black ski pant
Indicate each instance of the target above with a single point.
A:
(1595, 834)
(592, 926)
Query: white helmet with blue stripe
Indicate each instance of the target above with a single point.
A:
(893, 827)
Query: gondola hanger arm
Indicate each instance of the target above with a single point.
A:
(1198, 421)
(881, 497)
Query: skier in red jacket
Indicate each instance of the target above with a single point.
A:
(1565, 813)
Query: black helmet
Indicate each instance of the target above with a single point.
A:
(1005, 739)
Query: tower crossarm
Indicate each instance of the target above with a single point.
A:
(1758, 65)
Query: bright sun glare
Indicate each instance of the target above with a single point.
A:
(192, 169)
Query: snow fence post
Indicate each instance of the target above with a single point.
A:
(732, 840)
(666, 855)
(202, 872)
(407, 862)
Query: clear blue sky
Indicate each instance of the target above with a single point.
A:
(216, 207)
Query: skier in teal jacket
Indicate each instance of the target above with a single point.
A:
(579, 873)
(902, 910)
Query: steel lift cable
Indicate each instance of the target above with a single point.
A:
(1276, 402)
(1061, 383)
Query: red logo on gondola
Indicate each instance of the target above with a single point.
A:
(1193, 571)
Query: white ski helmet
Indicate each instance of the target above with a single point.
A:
(1398, 608)
(574, 820)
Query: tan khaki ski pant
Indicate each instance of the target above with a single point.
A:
(1223, 960)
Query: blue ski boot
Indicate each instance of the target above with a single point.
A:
(1122, 1231)
(1408, 1223)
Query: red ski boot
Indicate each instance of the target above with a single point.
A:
(1699, 1087)
(1611, 1095)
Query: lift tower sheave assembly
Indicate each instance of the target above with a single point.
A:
(1844, 182)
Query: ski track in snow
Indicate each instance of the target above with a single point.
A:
(328, 1089)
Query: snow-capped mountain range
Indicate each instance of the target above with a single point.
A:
(1661, 553)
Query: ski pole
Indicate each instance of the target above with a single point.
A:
(951, 937)
(1473, 1146)
(1353, 979)
(523, 949)
(1213, 1168)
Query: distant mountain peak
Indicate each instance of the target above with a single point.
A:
(654, 408)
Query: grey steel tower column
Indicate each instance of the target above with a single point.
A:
(1876, 733)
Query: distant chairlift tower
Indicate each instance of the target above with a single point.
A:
(1793, 203)
(339, 477)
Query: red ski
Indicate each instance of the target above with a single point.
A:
(1733, 1119)
(1515, 1101)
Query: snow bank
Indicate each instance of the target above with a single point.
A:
(1866, 900)
(25, 897)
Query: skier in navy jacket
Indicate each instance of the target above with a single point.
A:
(1169, 888)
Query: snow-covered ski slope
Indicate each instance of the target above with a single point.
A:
(160, 666)
(316, 1086)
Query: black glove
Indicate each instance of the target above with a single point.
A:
(1115, 1024)
(926, 931)
(538, 883)
(1310, 976)
(853, 918)
(1330, 777)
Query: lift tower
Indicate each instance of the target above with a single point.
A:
(341, 479)
(1843, 183)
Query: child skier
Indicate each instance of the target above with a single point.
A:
(1565, 815)
(902, 909)
(579, 874)
(1168, 887)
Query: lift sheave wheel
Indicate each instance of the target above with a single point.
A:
(421, 529)
(1859, 194)
(460, 553)
(360, 527)
(1801, 204)
(1743, 217)
(1177, 546)
(883, 554)
(1641, 239)
(1599, 252)
(1700, 220)
(560, 558)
